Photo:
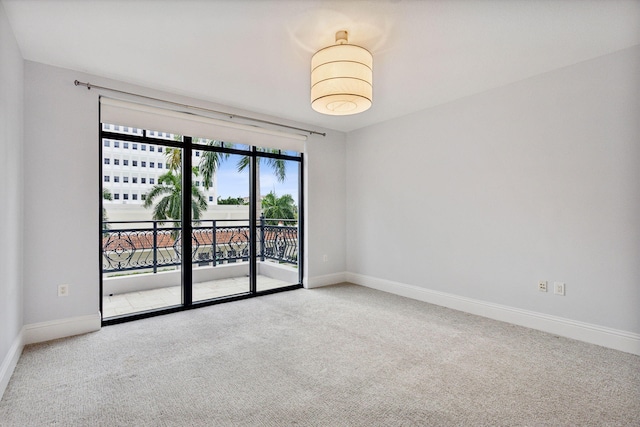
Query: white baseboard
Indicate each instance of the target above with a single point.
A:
(54, 329)
(10, 361)
(326, 280)
(607, 337)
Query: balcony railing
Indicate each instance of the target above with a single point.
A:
(150, 245)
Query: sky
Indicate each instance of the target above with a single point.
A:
(232, 183)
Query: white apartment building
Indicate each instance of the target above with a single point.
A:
(130, 170)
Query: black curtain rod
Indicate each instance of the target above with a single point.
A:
(230, 115)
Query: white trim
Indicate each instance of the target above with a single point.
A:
(595, 334)
(61, 328)
(326, 280)
(10, 361)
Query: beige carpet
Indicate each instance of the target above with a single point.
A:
(336, 356)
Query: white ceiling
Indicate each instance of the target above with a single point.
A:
(256, 54)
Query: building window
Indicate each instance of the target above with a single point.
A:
(125, 162)
(107, 143)
(151, 164)
(125, 179)
(116, 196)
(134, 180)
(143, 197)
(125, 196)
(134, 163)
(125, 145)
(134, 146)
(143, 147)
(106, 178)
(197, 183)
(116, 161)
(143, 164)
(116, 144)
(143, 180)
(159, 149)
(197, 154)
(106, 161)
(211, 198)
(116, 179)
(152, 181)
(134, 196)
(125, 129)
(152, 148)
(159, 165)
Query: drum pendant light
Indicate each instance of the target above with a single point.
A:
(341, 78)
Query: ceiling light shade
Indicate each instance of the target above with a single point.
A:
(341, 78)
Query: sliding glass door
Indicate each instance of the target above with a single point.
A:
(278, 223)
(243, 205)
(222, 240)
(141, 227)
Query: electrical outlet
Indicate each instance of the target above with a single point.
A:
(558, 288)
(542, 286)
(63, 290)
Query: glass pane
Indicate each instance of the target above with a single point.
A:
(218, 143)
(221, 229)
(141, 226)
(277, 249)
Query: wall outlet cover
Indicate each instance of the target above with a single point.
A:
(63, 290)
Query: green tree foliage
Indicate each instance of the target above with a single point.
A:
(106, 195)
(174, 158)
(210, 162)
(278, 167)
(168, 191)
(232, 201)
(275, 208)
(167, 196)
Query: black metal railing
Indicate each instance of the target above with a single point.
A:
(150, 245)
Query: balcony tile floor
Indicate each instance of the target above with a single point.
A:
(134, 302)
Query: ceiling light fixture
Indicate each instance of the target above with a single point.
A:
(341, 78)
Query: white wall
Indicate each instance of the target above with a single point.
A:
(325, 226)
(61, 192)
(484, 196)
(11, 140)
(60, 198)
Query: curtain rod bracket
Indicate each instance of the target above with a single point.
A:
(79, 83)
(231, 116)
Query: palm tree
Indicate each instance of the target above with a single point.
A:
(106, 195)
(278, 166)
(174, 158)
(169, 206)
(276, 208)
(210, 162)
